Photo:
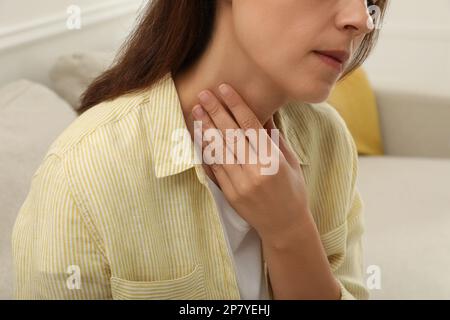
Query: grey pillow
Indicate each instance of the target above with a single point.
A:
(72, 74)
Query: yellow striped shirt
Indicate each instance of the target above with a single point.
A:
(111, 215)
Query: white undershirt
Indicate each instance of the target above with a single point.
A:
(245, 246)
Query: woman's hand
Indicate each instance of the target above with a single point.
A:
(272, 203)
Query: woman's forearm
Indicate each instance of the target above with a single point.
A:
(297, 264)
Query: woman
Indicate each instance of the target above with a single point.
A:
(111, 212)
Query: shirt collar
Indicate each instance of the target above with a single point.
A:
(166, 117)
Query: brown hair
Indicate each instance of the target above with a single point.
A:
(170, 36)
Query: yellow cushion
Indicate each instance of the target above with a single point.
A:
(355, 101)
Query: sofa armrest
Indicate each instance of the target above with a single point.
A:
(414, 124)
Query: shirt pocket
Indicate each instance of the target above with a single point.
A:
(188, 287)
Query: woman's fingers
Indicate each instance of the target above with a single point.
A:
(248, 121)
(245, 117)
(233, 135)
(282, 144)
(214, 151)
(254, 148)
(217, 112)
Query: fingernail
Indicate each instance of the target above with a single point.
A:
(198, 111)
(224, 89)
(204, 96)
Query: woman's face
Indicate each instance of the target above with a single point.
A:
(282, 37)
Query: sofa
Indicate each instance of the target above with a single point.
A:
(406, 191)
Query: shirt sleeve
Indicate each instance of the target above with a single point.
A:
(348, 268)
(55, 254)
(350, 271)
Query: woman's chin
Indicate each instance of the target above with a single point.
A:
(313, 90)
(313, 96)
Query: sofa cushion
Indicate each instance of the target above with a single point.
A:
(31, 117)
(72, 74)
(355, 101)
(407, 213)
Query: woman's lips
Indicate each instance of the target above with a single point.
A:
(330, 61)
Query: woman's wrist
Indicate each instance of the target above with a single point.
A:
(300, 231)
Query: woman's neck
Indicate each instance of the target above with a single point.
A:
(224, 61)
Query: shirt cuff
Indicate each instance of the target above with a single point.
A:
(345, 294)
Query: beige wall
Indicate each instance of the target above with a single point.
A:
(34, 33)
(13, 12)
(413, 53)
